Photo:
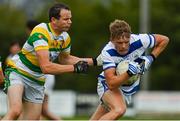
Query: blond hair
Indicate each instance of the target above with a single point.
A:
(119, 29)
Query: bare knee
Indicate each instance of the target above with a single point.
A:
(15, 112)
(44, 111)
(119, 112)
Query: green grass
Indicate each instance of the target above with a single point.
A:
(87, 118)
(138, 117)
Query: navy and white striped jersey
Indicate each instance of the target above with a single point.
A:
(139, 43)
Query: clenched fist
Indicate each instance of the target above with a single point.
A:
(81, 67)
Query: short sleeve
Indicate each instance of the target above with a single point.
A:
(38, 41)
(148, 40)
(108, 62)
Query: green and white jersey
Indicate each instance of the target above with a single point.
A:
(42, 38)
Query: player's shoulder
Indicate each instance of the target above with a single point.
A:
(108, 46)
(109, 50)
(142, 39)
(41, 28)
(138, 37)
(41, 25)
(135, 37)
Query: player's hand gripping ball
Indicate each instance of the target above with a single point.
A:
(123, 67)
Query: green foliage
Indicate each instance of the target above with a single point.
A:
(11, 27)
(166, 20)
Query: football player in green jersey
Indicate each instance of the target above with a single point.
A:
(26, 72)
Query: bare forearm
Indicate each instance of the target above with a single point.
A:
(70, 59)
(53, 68)
(116, 81)
(75, 59)
(162, 42)
(48, 67)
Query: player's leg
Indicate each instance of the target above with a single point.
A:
(32, 100)
(31, 111)
(101, 89)
(100, 111)
(14, 94)
(115, 101)
(45, 110)
(15, 102)
(49, 84)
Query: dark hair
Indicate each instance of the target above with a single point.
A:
(31, 24)
(14, 42)
(56, 9)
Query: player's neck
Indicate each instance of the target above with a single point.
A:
(54, 29)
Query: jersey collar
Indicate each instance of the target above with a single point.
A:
(55, 36)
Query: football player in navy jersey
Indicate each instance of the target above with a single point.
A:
(113, 89)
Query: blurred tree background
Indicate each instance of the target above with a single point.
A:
(89, 33)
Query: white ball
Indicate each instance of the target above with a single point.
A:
(122, 67)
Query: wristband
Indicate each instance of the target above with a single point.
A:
(94, 61)
(154, 58)
(129, 73)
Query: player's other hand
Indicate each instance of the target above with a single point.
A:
(147, 61)
(98, 61)
(133, 68)
(81, 67)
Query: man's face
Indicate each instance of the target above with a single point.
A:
(121, 45)
(15, 49)
(64, 22)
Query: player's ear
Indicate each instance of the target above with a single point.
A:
(53, 20)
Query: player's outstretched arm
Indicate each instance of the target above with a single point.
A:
(66, 58)
(48, 67)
